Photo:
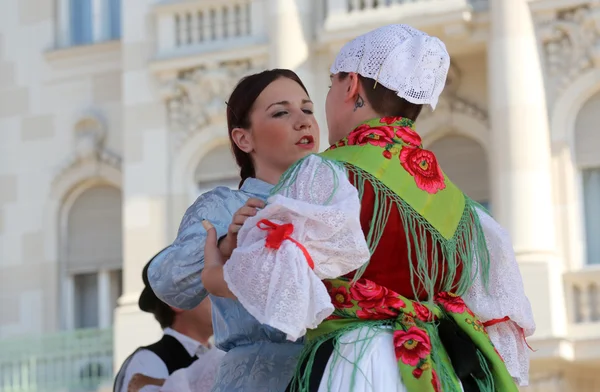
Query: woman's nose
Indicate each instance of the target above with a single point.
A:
(303, 121)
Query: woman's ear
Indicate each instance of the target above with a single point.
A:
(242, 138)
(352, 87)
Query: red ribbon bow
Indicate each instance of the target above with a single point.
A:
(503, 320)
(279, 233)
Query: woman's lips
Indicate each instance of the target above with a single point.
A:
(306, 142)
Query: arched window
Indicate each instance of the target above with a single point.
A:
(465, 162)
(217, 168)
(94, 257)
(587, 141)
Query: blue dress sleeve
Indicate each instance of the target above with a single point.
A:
(174, 274)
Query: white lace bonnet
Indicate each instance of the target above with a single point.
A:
(401, 58)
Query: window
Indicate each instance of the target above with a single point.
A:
(114, 7)
(591, 200)
(81, 22)
(84, 22)
(587, 140)
(94, 258)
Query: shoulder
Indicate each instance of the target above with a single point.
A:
(146, 362)
(214, 204)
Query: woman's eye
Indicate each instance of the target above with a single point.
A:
(308, 111)
(279, 114)
(329, 86)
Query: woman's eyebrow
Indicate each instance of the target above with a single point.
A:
(287, 103)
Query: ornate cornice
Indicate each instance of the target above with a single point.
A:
(196, 97)
(570, 43)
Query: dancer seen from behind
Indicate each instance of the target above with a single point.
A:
(402, 281)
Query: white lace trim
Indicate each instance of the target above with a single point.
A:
(277, 286)
(505, 297)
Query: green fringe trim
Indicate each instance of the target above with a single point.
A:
(289, 178)
(439, 259)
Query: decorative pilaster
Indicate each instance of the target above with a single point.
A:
(520, 157)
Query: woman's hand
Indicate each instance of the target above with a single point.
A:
(229, 242)
(212, 273)
(138, 381)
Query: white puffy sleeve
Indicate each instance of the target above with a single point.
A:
(313, 218)
(505, 300)
(200, 376)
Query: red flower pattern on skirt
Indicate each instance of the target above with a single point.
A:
(340, 297)
(371, 295)
(423, 166)
(411, 346)
(423, 313)
(417, 373)
(451, 302)
(435, 382)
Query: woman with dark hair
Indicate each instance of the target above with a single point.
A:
(271, 125)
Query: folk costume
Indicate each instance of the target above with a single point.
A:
(440, 304)
(258, 357)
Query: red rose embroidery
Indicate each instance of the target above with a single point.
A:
(368, 294)
(435, 381)
(411, 346)
(371, 295)
(417, 373)
(380, 313)
(340, 297)
(376, 302)
(423, 166)
(408, 136)
(423, 313)
(388, 120)
(451, 302)
(380, 136)
(387, 154)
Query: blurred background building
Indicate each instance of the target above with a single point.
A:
(112, 123)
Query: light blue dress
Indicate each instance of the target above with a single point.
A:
(259, 358)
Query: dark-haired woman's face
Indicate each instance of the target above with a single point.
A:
(283, 128)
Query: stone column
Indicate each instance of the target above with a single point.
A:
(146, 180)
(520, 157)
(104, 305)
(292, 25)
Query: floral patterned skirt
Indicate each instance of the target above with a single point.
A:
(369, 316)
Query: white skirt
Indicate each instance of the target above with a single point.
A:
(376, 367)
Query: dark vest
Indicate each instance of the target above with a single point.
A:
(168, 349)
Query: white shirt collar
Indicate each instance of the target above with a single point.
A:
(191, 346)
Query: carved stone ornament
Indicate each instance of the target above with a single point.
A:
(89, 146)
(450, 101)
(197, 97)
(570, 40)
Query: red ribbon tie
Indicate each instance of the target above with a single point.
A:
(504, 319)
(276, 234)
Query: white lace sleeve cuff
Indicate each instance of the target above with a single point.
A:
(314, 220)
(504, 305)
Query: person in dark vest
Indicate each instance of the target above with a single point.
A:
(186, 335)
